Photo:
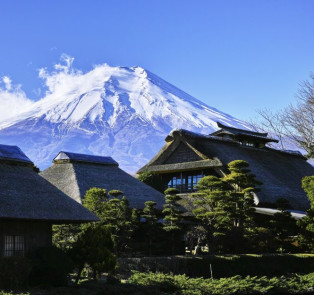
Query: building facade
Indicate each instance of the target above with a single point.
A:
(30, 205)
(187, 157)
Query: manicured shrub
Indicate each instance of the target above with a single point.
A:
(181, 284)
(51, 267)
(14, 272)
(222, 265)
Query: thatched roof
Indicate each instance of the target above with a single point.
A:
(13, 153)
(281, 172)
(74, 178)
(83, 158)
(26, 195)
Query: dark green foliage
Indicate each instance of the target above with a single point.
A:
(225, 208)
(222, 265)
(283, 227)
(306, 224)
(243, 185)
(211, 202)
(95, 200)
(14, 272)
(114, 212)
(118, 217)
(308, 186)
(181, 284)
(150, 225)
(51, 267)
(115, 193)
(94, 247)
(152, 180)
(64, 235)
(36, 169)
(172, 215)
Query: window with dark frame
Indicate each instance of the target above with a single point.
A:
(14, 246)
(185, 183)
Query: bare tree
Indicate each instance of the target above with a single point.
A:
(295, 122)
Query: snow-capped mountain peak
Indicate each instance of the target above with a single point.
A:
(115, 111)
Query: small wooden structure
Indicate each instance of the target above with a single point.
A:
(74, 174)
(29, 205)
(187, 157)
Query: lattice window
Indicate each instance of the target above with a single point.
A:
(14, 246)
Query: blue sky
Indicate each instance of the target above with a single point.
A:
(237, 56)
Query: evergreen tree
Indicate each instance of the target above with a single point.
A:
(211, 201)
(114, 211)
(117, 216)
(64, 235)
(306, 224)
(95, 200)
(172, 214)
(243, 185)
(151, 218)
(94, 247)
(283, 226)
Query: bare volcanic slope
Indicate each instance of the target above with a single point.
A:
(114, 111)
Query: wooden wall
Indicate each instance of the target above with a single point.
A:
(36, 234)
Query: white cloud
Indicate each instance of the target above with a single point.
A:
(63, 82)
(13, 99)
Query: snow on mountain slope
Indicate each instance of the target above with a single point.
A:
(115, 111)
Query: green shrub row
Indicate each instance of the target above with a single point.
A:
(222, 265)
(47, 266)
(181, 284)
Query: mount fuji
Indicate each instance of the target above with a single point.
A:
(115, 111)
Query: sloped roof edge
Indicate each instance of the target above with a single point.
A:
(13, 153)
(76, 157)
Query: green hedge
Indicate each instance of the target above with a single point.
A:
(14, 272)
(222, 266)
(181, 284)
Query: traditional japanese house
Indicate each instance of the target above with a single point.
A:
(74, 174)
(29, 205)
(187, 157)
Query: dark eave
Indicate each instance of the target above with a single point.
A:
(238, 130)
(185, 166)
(237, 133)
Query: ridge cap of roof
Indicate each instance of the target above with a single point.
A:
(222, 126)
(12, 153)
(84, 158)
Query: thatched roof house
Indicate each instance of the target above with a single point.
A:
(74, 174)
(187, 157)
(29, 204)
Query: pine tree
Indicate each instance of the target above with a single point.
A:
(241, 210)
(114, 211)
(283, 226)
(244, 185)
(211, 201)
(151, 218)
(172, 214)
(306, 224)
(118, 217)
(94, 247)
(66, 234)
(95, 200)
